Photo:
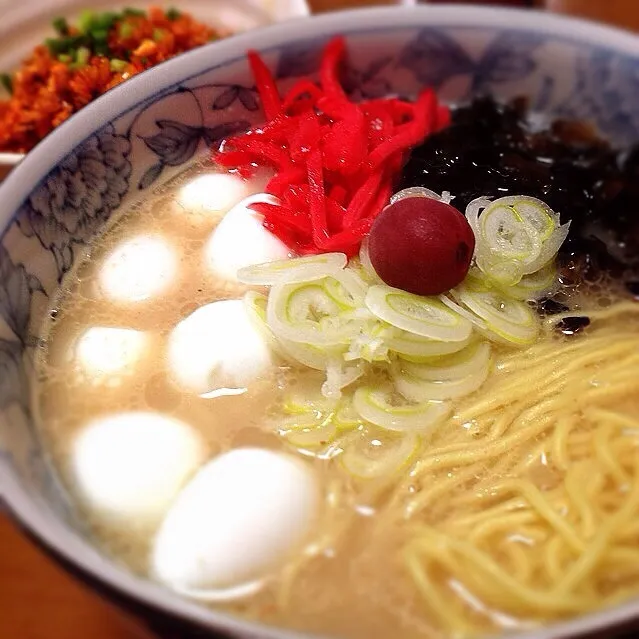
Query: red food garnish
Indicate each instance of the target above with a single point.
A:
(335, 161)
(421, 245)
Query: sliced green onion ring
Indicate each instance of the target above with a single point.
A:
(367, 266)
(346, 417)
(376, 406)
(535, 212)
(256, 308)
(373, 453)
(339, 375)
(293, 271)
(306, 431)
(255, 304)
(531, 287)
(548, 250)
(473, 359)
(416, 349)
(515, 236)
(421, 191)
(425, 316)
(371, 344)
(316, 357)
(347, 288)
(306, 313)
(505, 233)
(471, 317)
(306, 398)
(415, 389)
(473, 210)
(508, 320)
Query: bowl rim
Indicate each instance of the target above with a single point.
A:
(146, 88)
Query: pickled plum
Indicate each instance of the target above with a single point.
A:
(421, 245)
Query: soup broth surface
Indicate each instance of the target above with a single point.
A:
(505, 517)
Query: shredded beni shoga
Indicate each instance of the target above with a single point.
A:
(336, 161)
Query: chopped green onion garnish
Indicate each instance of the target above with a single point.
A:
(101, 48)
(86, 21)
(65, 57)
(126, 30)
(55, 46)
(173, 14)
(158, 34)
(61, 26)
(99, 35)
(105, 20)
(67, 44)
(133, 12)
(82, 56)
(117, 66)
(7, 82)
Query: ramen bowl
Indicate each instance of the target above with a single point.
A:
(120, 147)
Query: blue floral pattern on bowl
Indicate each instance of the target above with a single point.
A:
(138, 149)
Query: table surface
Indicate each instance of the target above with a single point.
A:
(38, 600)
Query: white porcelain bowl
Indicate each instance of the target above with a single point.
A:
(113, 151)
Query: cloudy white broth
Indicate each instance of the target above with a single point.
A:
(346, 379)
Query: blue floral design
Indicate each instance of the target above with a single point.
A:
(434, 57)
(300, 59)
(246, 96)
(16, 290)
(607, 93)
(370, 82)
(78, 196)
(176, 143)
(373, 81)
(13, 379)
(508, 58)
(544, 96)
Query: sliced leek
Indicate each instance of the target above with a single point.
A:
(531, 287)
(508, 320)
(346, 288)
(373, 453)
(306, 431)
(415, 348)
(515, 236)
(307, 313)
(304, 396)
(378, 406)
(339, 375)
(345, 416)
(371, 345)
(255, 304)
(301, 269)
(472, 360)
(548, 250)
(420, 191)
(316, 357)
(367, 268)
(424, 316)
(463, 312)
(256, 308)
(420, 391)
